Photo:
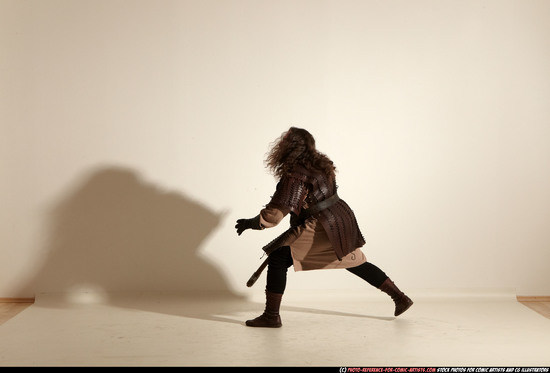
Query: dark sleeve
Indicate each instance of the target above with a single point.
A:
(289, 195)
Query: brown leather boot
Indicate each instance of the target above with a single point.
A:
(402, 302)
(270, 318)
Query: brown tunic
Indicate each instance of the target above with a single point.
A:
(302, 188)
(328, 239)
(310, 246)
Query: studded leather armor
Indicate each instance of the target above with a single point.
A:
(304, 188)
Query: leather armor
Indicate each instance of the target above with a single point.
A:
(304, 188)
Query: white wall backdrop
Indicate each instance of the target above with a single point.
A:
(133, 135)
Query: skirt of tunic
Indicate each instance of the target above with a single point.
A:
(310, 246)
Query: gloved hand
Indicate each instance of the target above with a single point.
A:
(244, 224)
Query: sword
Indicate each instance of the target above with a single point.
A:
(268, 249)
(257, 274)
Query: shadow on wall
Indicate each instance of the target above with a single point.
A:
(116, 233)
(119, 240)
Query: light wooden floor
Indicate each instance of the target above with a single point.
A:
(537, 304)
(11, 307)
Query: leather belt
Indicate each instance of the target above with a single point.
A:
(319, 206)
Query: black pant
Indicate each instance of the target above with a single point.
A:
(280, 260)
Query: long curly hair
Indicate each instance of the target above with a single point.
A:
(296, 147)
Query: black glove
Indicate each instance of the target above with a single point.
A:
(244, 224)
